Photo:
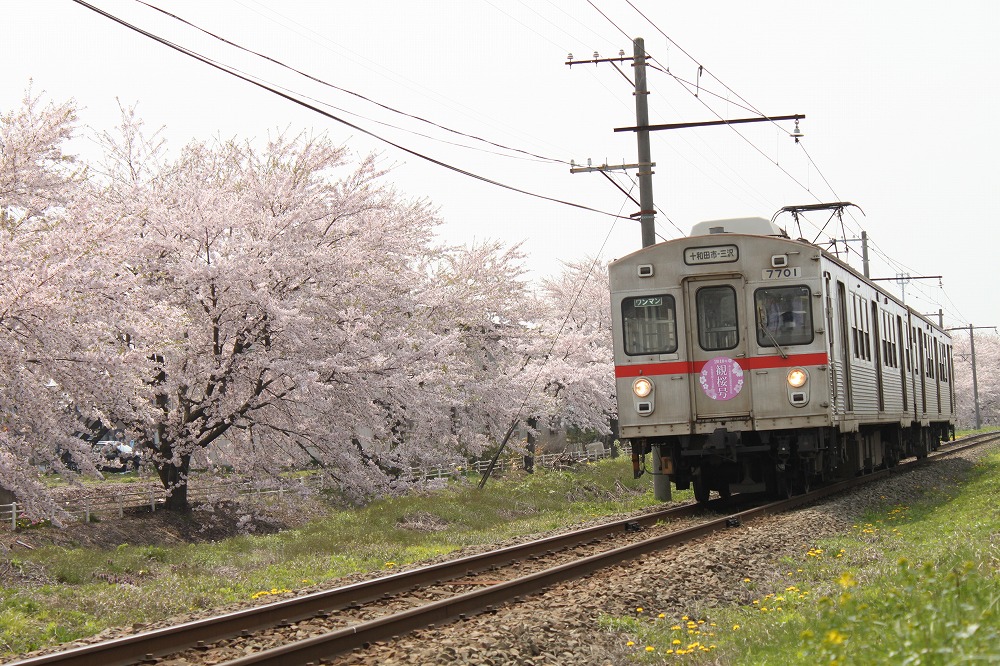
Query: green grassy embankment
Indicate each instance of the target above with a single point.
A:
(68, 592)
(910, 584)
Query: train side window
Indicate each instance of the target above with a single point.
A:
(717, 322)
(649, 324)
(784, 316)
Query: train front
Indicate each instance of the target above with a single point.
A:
(721, 358)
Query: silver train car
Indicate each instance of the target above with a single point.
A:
(747, 361)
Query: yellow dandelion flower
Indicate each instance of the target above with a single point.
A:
(736, 627)
(650, 648)
(847, 579)
(676, 627)
(676, 641)
(834, 637)
(746, 580)
(661, 615)
(630, 643)
(639, 609)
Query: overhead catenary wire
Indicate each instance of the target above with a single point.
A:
(345, 90)
(208, 61)
(700, 90)
(538, 373)
(666, 71)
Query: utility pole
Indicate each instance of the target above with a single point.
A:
(647, 210)
(975, 383)
(646, 213)
(644, 165)
(864, 252)
(903, 279)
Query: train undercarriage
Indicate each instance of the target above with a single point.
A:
(782, 463)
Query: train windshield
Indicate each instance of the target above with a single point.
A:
(650, 324)
(784, 316)
(717, 318)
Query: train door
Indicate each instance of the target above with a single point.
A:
(832, 350)
(938, 373)
(902, 360)
(951, 383)
(923, 372)
(845, 351)
(911, 365)
(877, 335)
(718, 343)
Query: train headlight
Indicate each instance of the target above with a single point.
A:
(797, 377)
(642, 387)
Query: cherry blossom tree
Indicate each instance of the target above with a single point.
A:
(289, 306)
(272, 302)
(39, 247)
(576, 371)
(487, 308)
(987, 361)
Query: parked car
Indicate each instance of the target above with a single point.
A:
(117, 456)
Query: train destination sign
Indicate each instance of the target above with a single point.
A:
(712, 254)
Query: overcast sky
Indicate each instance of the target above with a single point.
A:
(899, 98)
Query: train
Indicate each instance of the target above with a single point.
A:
(749, 361)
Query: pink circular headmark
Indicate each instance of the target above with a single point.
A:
(721, 378)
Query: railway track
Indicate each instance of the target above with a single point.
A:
(316, 627)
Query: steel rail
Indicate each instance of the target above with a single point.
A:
(168, 640)
(448, 610)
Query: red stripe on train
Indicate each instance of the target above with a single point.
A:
(687, 367)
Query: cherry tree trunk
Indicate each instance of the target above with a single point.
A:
(175, 479)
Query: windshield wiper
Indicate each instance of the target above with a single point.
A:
(776, 345)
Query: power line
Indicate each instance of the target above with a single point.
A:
(697, 88)
(345, 90)
(232, 72)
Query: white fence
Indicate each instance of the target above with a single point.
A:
(115, 506)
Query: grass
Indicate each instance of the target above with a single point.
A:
(909, 585)
(89, 590)
(913, 584)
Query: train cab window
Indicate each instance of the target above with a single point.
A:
(717, 322)
(784, 316)
(649, 324)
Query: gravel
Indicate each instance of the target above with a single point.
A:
(561, 626)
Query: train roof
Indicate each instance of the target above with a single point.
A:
(751, 226)
(761, 227)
